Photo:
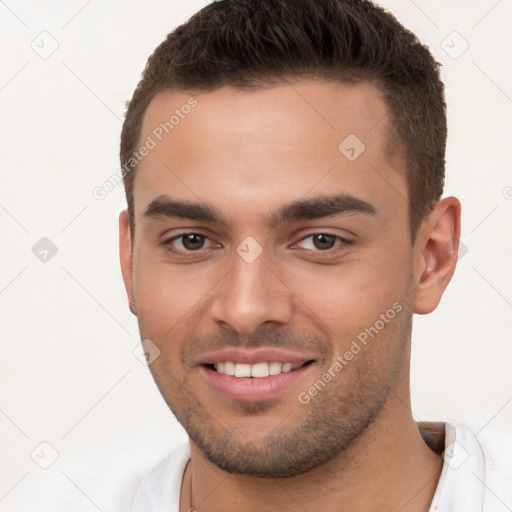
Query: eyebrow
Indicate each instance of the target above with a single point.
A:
(304, 209)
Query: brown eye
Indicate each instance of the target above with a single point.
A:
(192, 241)
(323, 241)
(191, 246)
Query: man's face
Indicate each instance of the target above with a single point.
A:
(295, 247)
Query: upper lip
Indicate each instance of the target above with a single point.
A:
(253, 356)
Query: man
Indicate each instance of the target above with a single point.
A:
(284, 164)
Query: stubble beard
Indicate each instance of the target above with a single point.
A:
(317, 432)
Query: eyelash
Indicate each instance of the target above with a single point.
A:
(188, 254)
(184, 252)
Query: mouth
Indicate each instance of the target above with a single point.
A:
(255, 375)
(258, 370)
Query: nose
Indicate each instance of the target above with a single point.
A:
(250, 295)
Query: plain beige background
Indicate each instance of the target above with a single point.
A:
(69, 376)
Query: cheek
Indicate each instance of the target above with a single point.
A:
(350, 297)
(167, 303)
(172, 300)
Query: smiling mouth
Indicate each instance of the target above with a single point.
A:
(258, 370)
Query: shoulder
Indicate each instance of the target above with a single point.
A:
(88, 482)
(160, 488)
(479, 468)
(494, 445)
(496, 448)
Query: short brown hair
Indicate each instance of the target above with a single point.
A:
(251, 43)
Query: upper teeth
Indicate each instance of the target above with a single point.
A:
(255, 370)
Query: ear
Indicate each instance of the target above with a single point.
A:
(436, 250)
(126, 257)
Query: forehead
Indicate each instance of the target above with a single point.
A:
(270, 144)
(318, 107)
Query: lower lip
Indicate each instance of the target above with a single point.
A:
(253, 389)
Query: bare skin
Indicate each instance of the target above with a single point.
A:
(354, 445)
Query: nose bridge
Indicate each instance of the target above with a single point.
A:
(250, 295)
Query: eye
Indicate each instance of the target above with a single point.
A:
(321, 241)
(188, 242)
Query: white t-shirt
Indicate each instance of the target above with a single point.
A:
(476, 476)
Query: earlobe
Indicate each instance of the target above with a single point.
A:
(126, 257)
(436, 250)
